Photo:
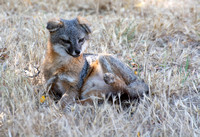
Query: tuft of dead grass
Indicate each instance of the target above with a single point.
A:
(162, 37)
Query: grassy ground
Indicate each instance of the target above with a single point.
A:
(160, 37)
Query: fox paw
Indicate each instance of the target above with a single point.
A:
(109, 78)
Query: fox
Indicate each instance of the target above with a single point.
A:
(73, 76)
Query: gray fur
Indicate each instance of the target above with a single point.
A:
(68, 33)
(112, 66)
(115, 64)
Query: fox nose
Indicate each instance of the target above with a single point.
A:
(77, 52)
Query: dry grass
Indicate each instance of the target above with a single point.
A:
(161, 36)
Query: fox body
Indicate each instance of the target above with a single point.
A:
(74, 76)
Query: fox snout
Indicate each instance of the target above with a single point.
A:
(74, 52)
(77, 52)
(75, 47)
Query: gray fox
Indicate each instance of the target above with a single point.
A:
(74, 76)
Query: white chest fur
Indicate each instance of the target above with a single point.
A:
(62, 52)
(66, 78)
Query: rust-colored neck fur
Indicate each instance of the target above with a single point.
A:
(55, 64)
(52, 56)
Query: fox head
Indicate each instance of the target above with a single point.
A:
(68, 37)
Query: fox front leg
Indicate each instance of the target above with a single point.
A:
(67, 99)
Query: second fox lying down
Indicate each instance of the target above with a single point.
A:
(72, 75)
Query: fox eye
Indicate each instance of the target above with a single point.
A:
(81, 40)
(66, 41)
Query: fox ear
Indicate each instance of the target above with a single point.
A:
(54, 24)
(84, 23)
